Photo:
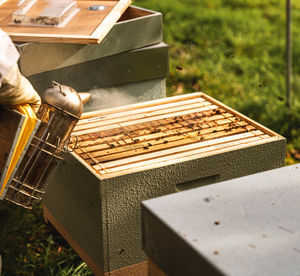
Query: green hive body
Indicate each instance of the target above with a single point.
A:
(104, 216)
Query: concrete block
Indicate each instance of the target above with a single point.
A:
(128, 154)
(243, 226)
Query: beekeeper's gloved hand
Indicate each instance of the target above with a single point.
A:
(14, 88)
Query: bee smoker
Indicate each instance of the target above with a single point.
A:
(60, 110)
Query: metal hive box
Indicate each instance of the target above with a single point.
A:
(129, 154)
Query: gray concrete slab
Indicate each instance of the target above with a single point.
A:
(245, 226)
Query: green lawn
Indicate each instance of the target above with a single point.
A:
(234, 50)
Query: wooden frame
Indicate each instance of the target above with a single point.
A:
(86, 27)
(146, 135)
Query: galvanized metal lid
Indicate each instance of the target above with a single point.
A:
(64, 98)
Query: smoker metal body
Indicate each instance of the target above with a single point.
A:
(60, 110)
(244, 226)
(96, 206)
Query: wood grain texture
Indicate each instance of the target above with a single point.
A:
(154, 270)
(142, 136)
(9, 122)
(86, 27)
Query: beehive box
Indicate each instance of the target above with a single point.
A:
(129, 154)
(123, 74)
(144, 27)
(114, 66)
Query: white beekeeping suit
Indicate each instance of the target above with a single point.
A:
(14, 88)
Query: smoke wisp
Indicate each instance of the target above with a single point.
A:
(102, 98)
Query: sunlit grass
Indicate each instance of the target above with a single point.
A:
(234, 50)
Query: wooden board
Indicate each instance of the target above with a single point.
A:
(86, 27)
(146, 135)
(9, 125)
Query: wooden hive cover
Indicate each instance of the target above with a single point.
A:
(142, 136)
(87, 26)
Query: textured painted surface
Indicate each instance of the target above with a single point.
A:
(124, 193)
(73, 199)
(119, 215)
(244, 226)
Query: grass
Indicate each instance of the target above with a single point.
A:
(30, 247)
(233, 50)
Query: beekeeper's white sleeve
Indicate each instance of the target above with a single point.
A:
(14, 88)
(8, 55)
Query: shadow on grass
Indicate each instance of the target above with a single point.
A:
(29, 246)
